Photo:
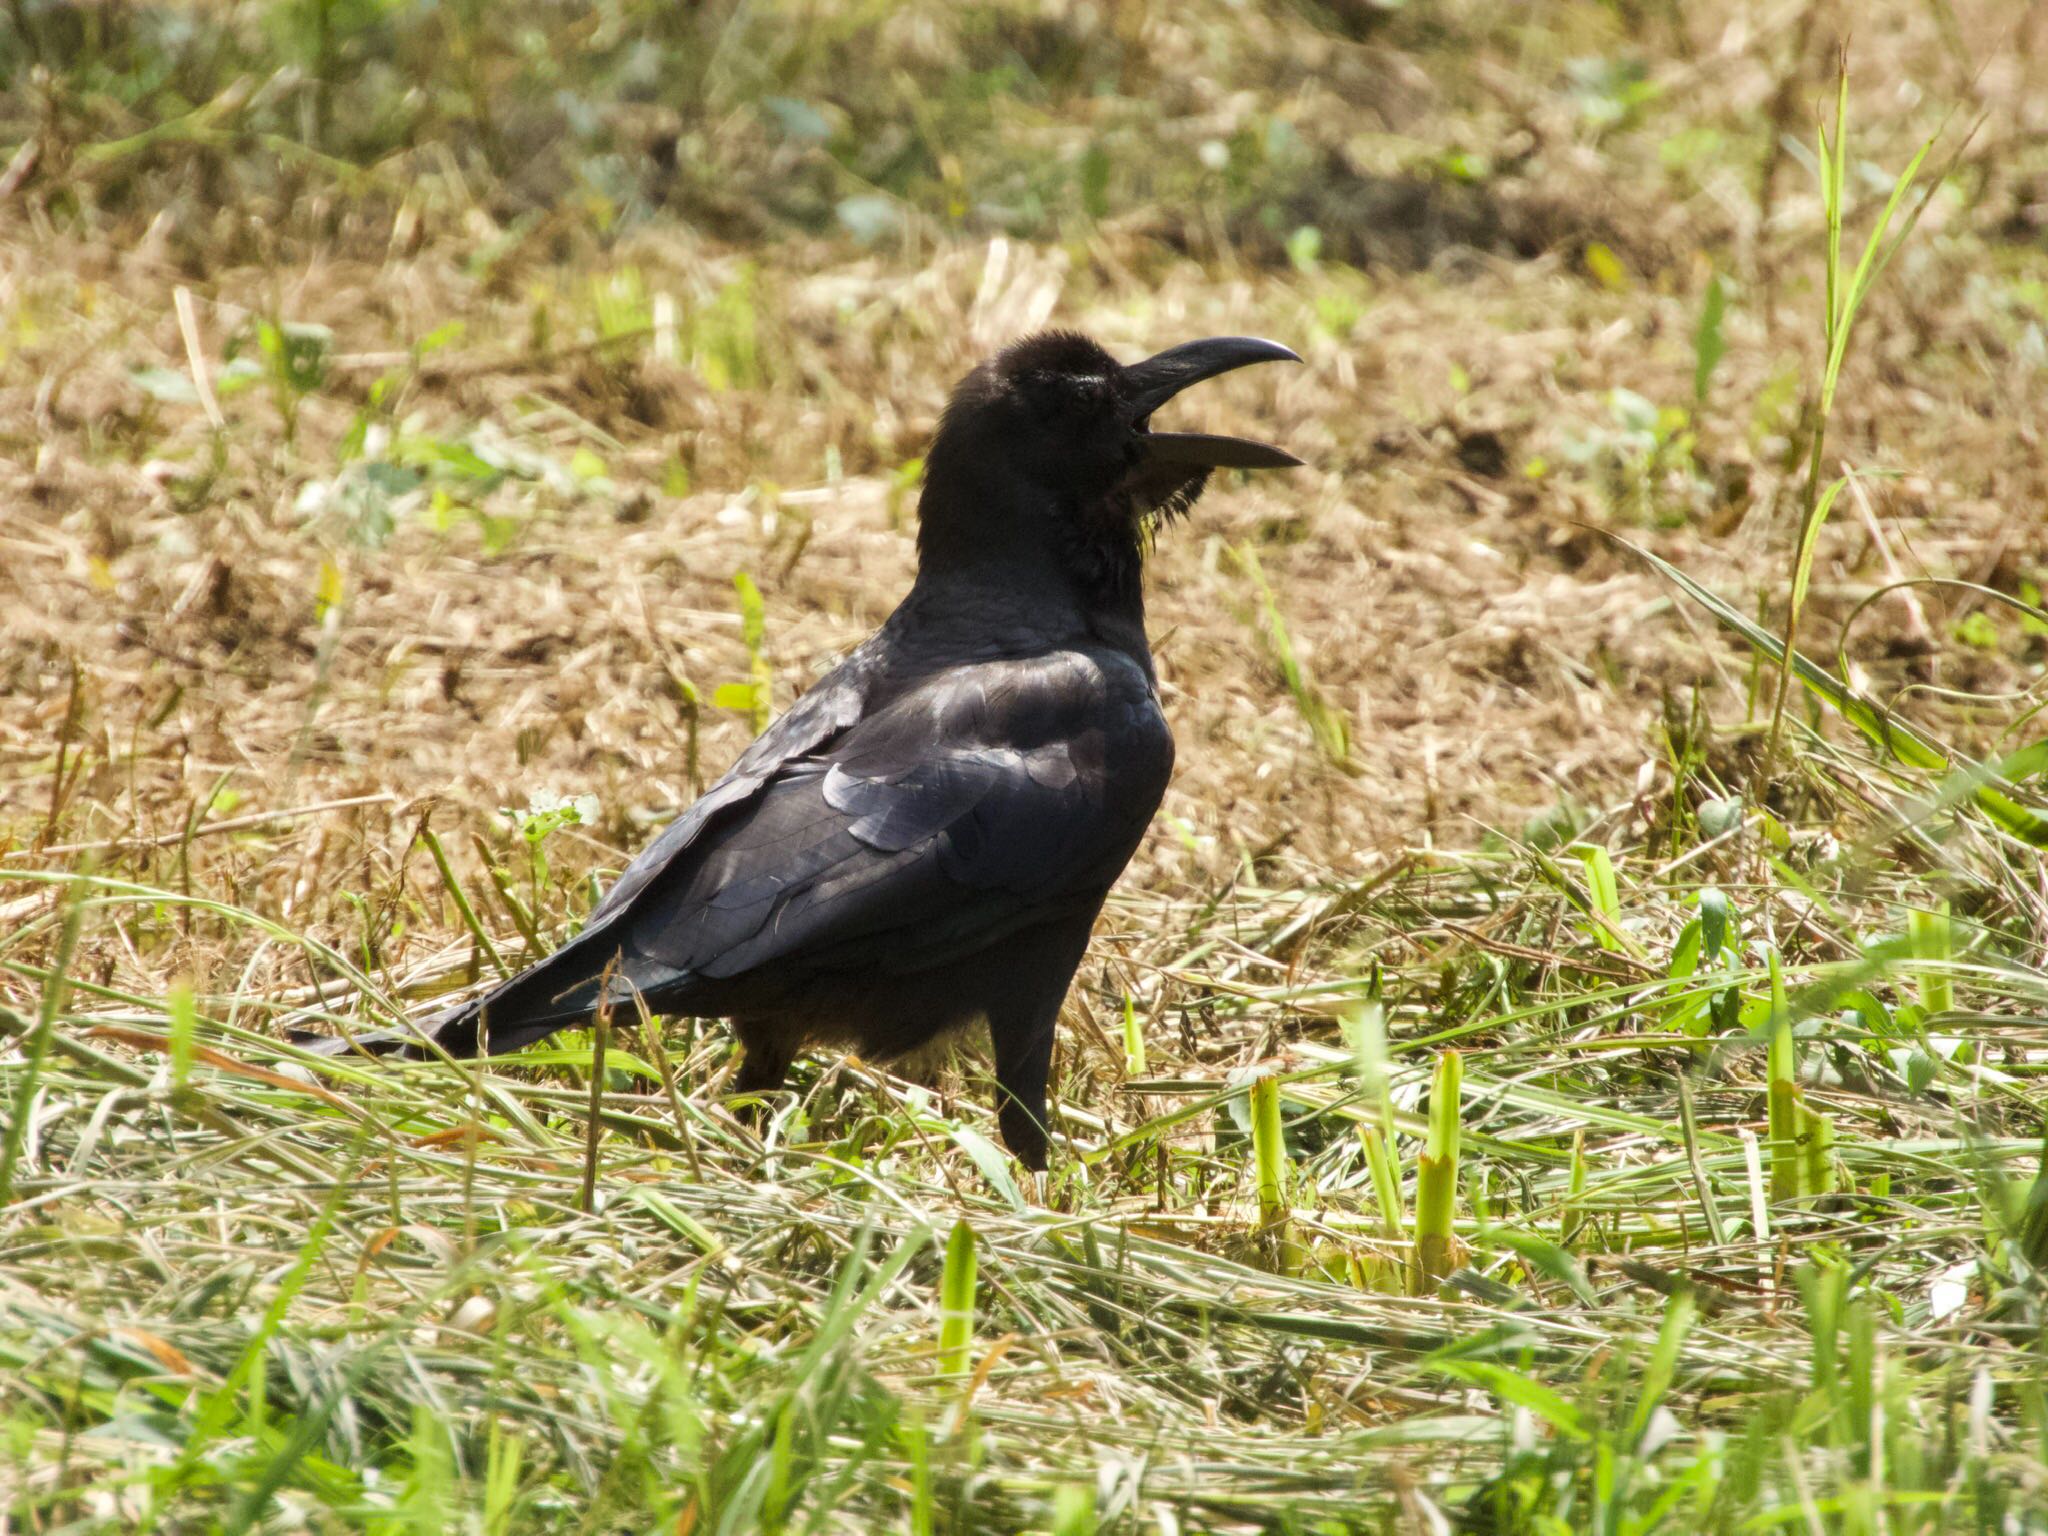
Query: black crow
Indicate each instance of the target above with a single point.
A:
(926, 837)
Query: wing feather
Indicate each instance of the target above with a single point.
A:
(925, 830)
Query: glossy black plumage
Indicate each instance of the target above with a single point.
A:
(926, 837)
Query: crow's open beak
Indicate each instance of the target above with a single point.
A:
(1158, 379)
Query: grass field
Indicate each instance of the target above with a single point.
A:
(1558, 1064)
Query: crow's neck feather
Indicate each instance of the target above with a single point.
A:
(990, 531)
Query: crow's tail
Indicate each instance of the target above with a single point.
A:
(561, 991)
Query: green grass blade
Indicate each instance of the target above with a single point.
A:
(54, 993)
(1437, 1176)
(1783, 1081)
(956, 1302)
(1134, 1040)
(1930, 936)
(1605, 894)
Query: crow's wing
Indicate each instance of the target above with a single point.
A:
(830, 707)
(967, 807)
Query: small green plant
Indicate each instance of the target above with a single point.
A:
(1705, 968)
(755, 696)
(546, 814)
(1846, 292)
(1611, 92)
(295, 363)
(1642, 458)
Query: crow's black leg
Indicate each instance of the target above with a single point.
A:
(1025, 1005)
(765, 1067)
(763, 1070)
(1023, 1063)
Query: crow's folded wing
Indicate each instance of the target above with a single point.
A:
(831, 707)
(967, 808)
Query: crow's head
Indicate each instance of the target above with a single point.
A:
(1058, 420)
